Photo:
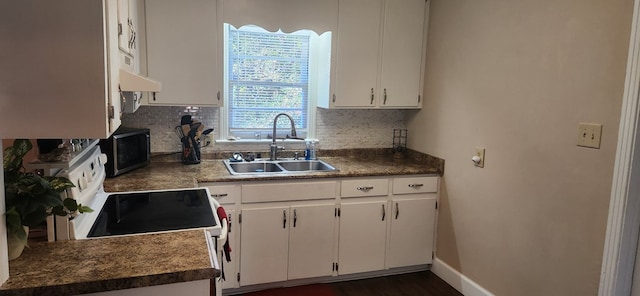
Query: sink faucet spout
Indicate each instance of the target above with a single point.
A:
(274, 147)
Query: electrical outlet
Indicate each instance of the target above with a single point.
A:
(589, 135)
(478, 157)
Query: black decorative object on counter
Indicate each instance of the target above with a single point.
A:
(190, 132)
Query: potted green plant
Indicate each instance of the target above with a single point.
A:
(30, 198)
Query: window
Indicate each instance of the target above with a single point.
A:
(267, 73)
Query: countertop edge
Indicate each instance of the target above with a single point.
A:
(115, 284)
(23, 280)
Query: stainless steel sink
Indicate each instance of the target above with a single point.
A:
(306, 165)
(261, 166)
(253, 167)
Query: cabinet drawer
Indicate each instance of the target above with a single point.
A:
(364, 187)
(410, 185)
(225, 194)
(270, 192)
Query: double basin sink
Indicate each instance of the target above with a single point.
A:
(260, 166)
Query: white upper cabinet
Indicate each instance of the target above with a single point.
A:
(60, 69)
(358, 53)
(182, 52)
(379, 54)
(128, 34)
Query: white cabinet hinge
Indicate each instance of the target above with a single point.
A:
(111, 112)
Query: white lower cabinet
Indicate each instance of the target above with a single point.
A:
(412, 221)
(230, 269)
(311, 241)
(294, 230)
(287, 230)
(228, 196)
(286, 243)
(363, 228)
(411, 234)
(265, 245)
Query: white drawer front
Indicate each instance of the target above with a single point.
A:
(225, 194)
(270, 192)
(408, 185)
(364, 187)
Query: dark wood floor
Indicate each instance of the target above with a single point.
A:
(412, 284)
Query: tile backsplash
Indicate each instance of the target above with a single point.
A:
(336, 129)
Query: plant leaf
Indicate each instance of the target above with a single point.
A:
(70, 204)
(59, 184)
(14, 225)
(34, 218)
(12, 160)
(84, 209)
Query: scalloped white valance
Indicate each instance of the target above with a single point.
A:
(287, 15)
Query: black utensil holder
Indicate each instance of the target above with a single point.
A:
(190, 155)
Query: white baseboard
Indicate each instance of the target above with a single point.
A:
(457, 280)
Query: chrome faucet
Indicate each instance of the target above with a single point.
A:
(274, 147)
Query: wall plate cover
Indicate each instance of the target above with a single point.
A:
(589, 135)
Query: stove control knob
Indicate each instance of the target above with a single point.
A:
(88, 175)
(83, 184)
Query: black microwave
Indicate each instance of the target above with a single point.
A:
(127, 149)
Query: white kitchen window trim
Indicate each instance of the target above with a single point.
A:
(320, 49)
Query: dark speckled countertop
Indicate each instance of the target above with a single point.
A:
(105, 264)
(167, 172)
(86, 266)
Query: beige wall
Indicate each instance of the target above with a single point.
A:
(516, 77)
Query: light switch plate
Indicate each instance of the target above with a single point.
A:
(589, 134)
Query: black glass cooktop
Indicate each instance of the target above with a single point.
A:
(142, 212)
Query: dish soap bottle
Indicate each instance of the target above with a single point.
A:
(307, 151)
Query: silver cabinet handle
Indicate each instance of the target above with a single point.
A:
(365, 188)
(371, 96)
(220, 195)
(385, 97)
(295, 217)
(416, 185)
(397, 210)
(284, 219)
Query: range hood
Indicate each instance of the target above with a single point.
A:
(131, 82)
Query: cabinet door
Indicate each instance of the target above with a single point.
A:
(412, 229)
(264, 245)
(128, 35)
(230, 268)
(182, 52)
(362, 236)
(126, 30)
(311, 240)
(402, 53)
(358, 43)
(59, 69)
